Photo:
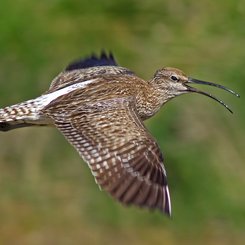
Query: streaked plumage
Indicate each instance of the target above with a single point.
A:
(100, 108)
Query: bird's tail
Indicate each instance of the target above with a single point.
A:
(24, 114)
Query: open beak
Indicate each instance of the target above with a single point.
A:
(195, 90)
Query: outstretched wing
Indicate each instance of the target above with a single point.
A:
(87, 69)
(125, 160)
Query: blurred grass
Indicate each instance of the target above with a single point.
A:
(49, 197)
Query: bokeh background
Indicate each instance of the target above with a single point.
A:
(47, 194)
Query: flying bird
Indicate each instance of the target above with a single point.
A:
(100, 107)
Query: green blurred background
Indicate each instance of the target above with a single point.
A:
(47, 194)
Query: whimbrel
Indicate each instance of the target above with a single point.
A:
(100, 108)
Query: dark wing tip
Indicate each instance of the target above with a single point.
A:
(103, 60)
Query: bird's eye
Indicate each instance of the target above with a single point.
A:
(174, 78)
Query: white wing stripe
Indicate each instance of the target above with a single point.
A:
(44, 100)
(47, 98)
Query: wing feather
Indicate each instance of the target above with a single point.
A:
(123, 157)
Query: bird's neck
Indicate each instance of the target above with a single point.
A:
(149, 101)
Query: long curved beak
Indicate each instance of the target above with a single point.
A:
(195, 90)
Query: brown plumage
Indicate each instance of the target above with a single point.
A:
(100, 108)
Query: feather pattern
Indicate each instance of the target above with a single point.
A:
(123, 157)
(68, 78)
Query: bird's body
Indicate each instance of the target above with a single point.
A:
(100, 108)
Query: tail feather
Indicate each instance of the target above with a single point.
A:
(6, 126)
(24, 114)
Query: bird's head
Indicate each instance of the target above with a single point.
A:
(173, 82)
